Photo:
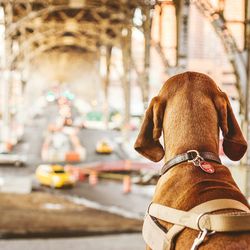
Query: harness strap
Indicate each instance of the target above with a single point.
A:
(227, 222)
(212, 222)
(157, 239)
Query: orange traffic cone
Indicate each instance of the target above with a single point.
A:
(93, 179)
(126, 184)
(9, 146)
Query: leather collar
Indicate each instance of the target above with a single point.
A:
(189, 156)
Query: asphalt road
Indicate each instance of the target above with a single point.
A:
(111, 242)
(107, 195)
(33, 138)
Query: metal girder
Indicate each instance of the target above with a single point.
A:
(144, 83)
(219, 23)
(106, 83)
(182, 32)
(98, 14)
(247, 123)
(31, 16)
(39, 26)
(182, 15)
(157, 45)
(126, 79)
(161, 53)
(71, 27)
(54, 43)
(30, 25)
(45, 37)
(233, 53)
(111, 17)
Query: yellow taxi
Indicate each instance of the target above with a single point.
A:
(103, 147)
(54, 176)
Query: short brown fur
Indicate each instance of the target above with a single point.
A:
(189, 109)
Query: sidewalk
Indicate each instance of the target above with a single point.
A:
(111, 242)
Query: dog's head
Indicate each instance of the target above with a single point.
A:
(147, 142)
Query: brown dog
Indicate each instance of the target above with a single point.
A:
(190, 109)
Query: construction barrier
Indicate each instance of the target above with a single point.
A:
(72, 156)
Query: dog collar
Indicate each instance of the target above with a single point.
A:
(190, 156)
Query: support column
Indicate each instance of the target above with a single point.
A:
(6, 83)
(106, 84)
(5, 135)
(17, 93)
(144, 83)
(126, 79)
(247, 103)
(182, 15)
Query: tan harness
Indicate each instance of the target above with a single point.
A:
(198, 218)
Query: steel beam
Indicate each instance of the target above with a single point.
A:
(182, 14)
(106, 83)
(144, 82)
(126, 79)
(247, 114)
(234, 56)
(7, 81)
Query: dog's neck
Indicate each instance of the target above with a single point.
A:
(196, 128)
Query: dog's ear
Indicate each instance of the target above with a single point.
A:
(234, 144)
(147, 142)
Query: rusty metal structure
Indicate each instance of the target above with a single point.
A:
(41, 26)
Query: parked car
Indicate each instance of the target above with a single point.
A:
(104, 147)
(13, 159)
(54, 176)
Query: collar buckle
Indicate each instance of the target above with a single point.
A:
(194, 157)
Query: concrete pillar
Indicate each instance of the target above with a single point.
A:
(247, 103)
(147, 39)
(18, 102)
(182, 15)
(106, 83)
(7, 79)
(6, 93)
(5, 88)
(126, 79)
